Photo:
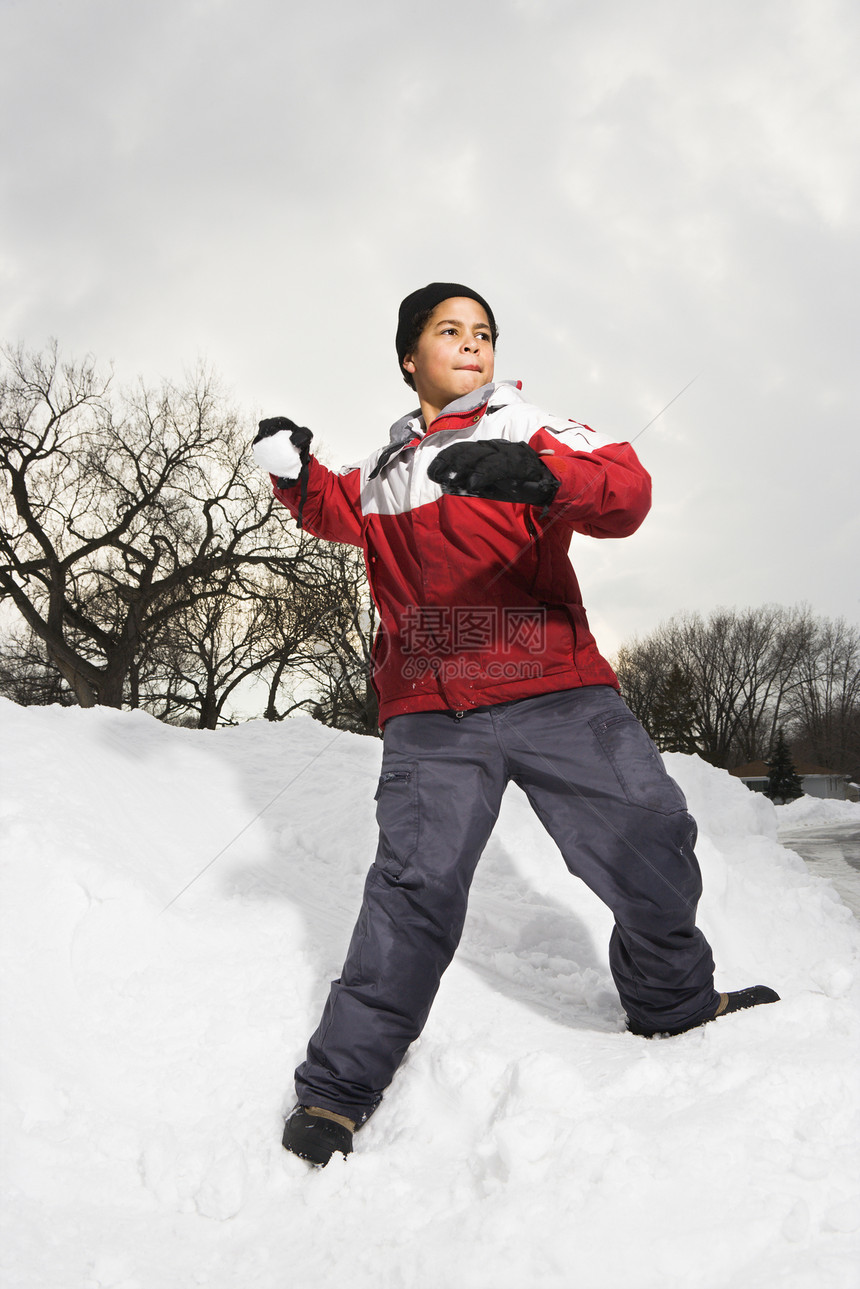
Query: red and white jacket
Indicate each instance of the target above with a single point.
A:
(478, 602)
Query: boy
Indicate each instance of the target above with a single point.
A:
(486, 671)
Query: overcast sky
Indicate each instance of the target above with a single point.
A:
(646, 193)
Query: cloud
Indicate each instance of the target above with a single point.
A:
(644, 192)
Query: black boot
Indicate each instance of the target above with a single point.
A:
(738, 1001)
(315, 1136)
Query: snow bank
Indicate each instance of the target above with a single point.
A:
(817, 812)
(174, 904)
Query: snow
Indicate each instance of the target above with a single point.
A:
(826, 834)
(817, 811)
(174, 905)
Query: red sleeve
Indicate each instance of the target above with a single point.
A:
(605, 493)
(332, 508)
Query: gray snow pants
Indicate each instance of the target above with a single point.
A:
(598, 786)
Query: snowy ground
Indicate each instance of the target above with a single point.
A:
(827, 835)
(527, 1141)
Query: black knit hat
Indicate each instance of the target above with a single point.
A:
(422, 302)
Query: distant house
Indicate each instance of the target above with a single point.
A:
(817, 782)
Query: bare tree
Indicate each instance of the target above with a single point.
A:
(342, 668)
(746, 672)
(758, 652)
(640, 668)
(25, 674)
(825, 705)
(125, 512)
(265, 643)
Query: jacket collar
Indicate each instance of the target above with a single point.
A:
(494, 394)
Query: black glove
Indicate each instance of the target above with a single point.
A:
(284, 449)
(288, 457)
(496, 469)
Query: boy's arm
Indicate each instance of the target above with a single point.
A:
(605, 492)
(332, 507)
(602, 493)
(326, 504)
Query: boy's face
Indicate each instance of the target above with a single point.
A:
(454, 354)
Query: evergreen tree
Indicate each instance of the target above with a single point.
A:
(673, 719)
(783, 781)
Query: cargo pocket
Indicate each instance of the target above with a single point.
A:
(397, 816)
(637, 763)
